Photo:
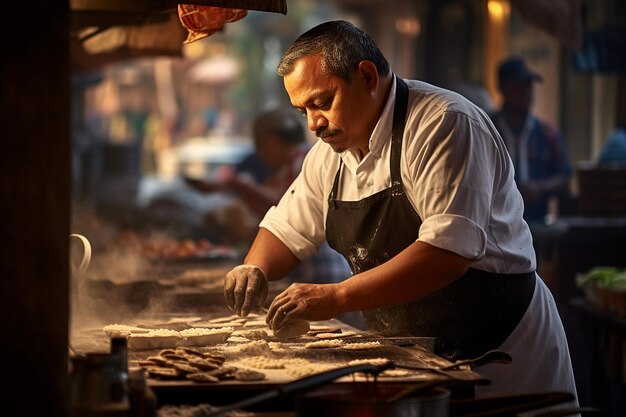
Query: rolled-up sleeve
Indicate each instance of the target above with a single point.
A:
(300, 246)
(455, 233)
(451, 175)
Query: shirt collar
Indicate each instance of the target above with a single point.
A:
(382, 130)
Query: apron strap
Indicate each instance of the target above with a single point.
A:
(399, 120)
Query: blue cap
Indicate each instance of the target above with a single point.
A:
(515, 69)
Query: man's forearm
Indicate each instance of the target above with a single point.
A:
(417, 271)
(271, 255)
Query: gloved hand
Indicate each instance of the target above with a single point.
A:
(245, 289)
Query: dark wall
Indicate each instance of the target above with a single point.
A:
(450, 38)
(35, 189)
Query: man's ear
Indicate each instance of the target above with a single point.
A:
(369, 74)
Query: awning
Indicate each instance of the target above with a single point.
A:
(107, 31)
(560, 18)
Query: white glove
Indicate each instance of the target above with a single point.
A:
(245, 289)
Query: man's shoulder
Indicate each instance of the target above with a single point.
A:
(432, 99)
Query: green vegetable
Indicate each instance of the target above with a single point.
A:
(603, 276)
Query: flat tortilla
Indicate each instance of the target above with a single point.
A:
(361, 345)
(335, 335)
(292, 329)
(324, 344)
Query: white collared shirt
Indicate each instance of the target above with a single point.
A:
(456, 173)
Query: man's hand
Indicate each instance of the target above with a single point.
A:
(304, 301)
(245, 289)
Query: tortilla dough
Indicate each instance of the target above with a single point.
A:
(154, 339)
(335, 335)
(361, 346)
(204, 336)
(292, 329)
(325, 343)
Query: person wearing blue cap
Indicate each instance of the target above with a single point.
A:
(538, 151)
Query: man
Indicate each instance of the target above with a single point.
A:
(413, 185)
(542, 166)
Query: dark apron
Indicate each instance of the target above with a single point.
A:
(472, 315)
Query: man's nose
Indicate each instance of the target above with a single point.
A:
(315, 120)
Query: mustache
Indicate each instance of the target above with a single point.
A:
(325, 131)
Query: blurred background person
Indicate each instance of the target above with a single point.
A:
(538, 151)
(261, 179)
(614, 150)
(476, 93)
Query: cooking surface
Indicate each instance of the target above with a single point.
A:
(183, 295)
(294, 359)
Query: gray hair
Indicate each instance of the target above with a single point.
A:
(341, 45)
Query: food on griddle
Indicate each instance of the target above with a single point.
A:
(252, 334)
(248, 375)
(199, 336)
(278, 347)
(122, 330)
(142, 363)
(256, 347)
(182, 320)
(310, 368)
(231, 318)
(316, 328)
(203, 364)
(214, 358)
(189, 351)
(255, 323)
(370, 361)
(335, 335)
(162, 372)
(185, 367)
(164, 247)
(157, 360)
(202, 377)
(361, 345)
(238, 339)
(224, 372)
(263, 362)
(323, 344)
(390, 373)
(154, 339)
(292, 329)
(220, 323)
(174, 356)
(395, 373)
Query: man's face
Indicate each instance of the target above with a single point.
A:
(339, 113)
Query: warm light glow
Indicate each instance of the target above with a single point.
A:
(408, 26)
(498, 9)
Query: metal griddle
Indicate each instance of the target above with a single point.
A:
(415, 352)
